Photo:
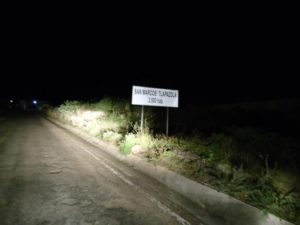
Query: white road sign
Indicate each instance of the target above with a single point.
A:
(154, 96)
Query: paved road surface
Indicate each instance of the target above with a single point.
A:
(49, 176)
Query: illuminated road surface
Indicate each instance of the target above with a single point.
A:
(49, 176)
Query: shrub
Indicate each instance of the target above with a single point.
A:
(129, 141)
(144, 140)
(112, 136)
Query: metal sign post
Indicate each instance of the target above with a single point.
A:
(142, 119)
(167, 124)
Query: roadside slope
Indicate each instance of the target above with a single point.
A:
(232, 210)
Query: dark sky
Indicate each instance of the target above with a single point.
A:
(223, 59)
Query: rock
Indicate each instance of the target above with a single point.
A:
(137, 149)
(187, 156)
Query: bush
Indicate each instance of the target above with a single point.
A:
(112, 136)
(129, 141)
(144, 140)
(69, 106)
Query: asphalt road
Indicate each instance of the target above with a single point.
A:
(50, 176)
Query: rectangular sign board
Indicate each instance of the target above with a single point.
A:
(154, 97)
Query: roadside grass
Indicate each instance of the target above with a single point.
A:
(245, 162)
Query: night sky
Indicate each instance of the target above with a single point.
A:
(222, 60)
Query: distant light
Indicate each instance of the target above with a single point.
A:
(11, 101)
(34, 102)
